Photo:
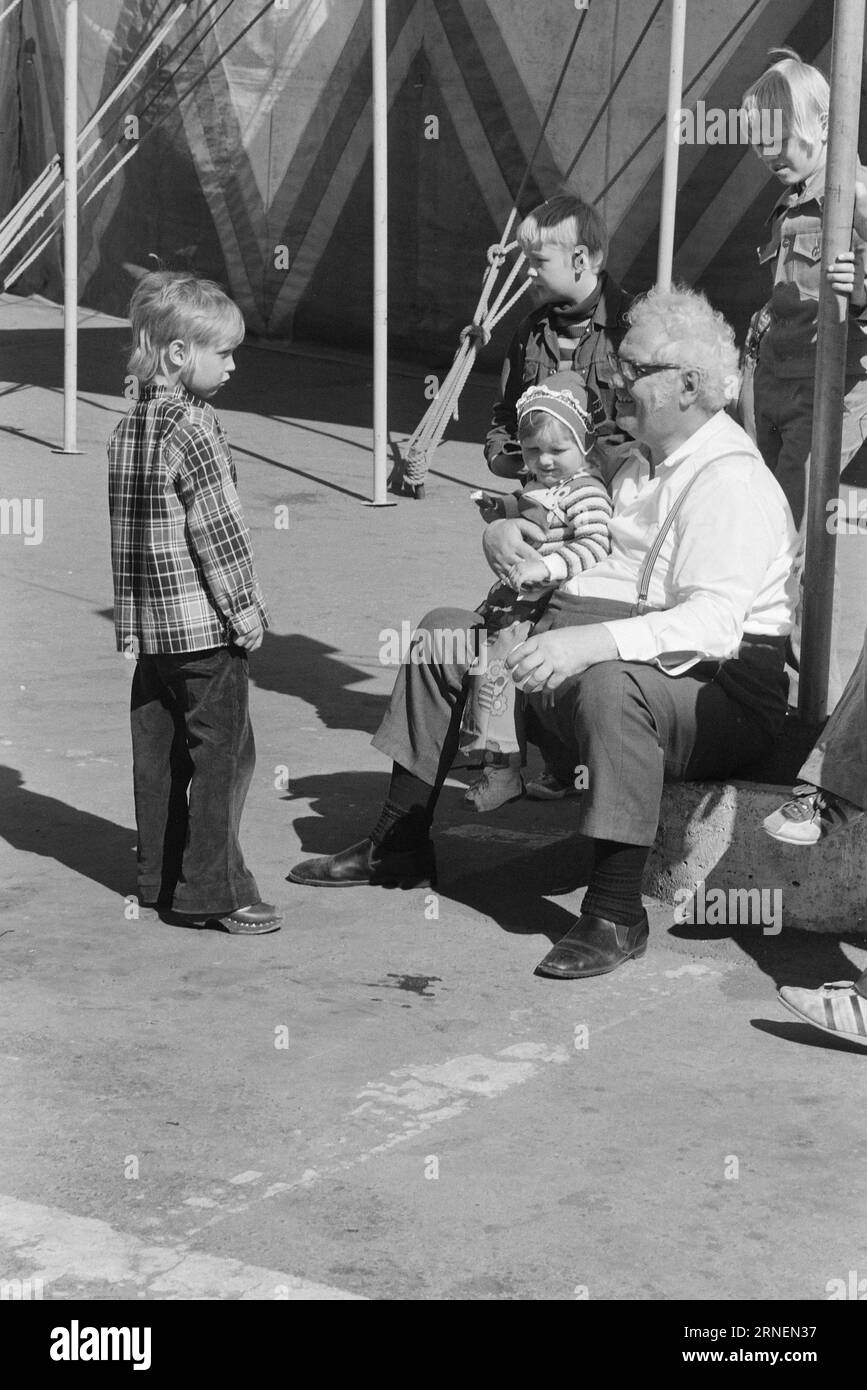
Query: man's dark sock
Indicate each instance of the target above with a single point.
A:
(405, 820)
(614, 890)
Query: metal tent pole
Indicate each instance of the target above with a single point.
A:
(70, 229)
(847, 46)
(379, 44)
(665, 255)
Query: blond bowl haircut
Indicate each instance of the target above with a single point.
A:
(566, 221)
(797, 90)
(168, 305)
(689, 331)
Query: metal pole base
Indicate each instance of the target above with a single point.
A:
(379, 504)
(75, 453)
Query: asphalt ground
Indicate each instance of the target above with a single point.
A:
(382, 1100)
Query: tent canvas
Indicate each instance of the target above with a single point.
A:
(263, 178)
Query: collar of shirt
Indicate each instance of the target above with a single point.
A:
(811, 190)
(696, 442)
(176, 393)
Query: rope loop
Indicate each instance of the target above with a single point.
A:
(475, 332)
(497, 255)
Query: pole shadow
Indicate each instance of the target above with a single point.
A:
(805, 1035)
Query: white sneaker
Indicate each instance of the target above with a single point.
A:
(837, 1008)
(810, 816)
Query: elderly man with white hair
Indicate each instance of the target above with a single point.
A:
(665, 660)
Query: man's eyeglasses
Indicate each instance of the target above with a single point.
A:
(633, 371)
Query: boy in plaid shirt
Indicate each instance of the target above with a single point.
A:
(187, 606)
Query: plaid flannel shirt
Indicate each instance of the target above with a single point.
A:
(180, 550)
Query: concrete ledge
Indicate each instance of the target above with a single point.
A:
(711, 832)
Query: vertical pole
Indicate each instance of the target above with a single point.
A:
(380, 254)
(847, 45)
(668, 207)
(70, 228)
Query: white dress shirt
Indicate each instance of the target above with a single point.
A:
(726, 565)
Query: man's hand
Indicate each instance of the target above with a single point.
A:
(527, 574)
(546, 661)
(846, 273)
(506, 543)
(250, 641)
(841, 273)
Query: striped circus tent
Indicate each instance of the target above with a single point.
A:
(262, 177)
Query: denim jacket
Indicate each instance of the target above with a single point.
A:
(793, 249)
(534, 354)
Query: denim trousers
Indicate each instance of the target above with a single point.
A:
(193, 759)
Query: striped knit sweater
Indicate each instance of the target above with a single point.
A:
(575, 516)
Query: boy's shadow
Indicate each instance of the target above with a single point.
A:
(87, 844)
(296, 665)
(480, 864)
(300, 666)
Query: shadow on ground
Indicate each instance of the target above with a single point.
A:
(308, 670)
(805, 1035)
(267, 383)
(803, 959)
(483, 865)
(87, 844)
(482, 862)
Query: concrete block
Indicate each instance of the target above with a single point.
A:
(711, 833)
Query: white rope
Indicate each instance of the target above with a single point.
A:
(132, 74)
(32, 254)
(111, 173)
(11, 230)
(428, 434)
(495, 313)
(9, 9)
(17, 233)
(33, 195)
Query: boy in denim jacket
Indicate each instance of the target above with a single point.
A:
(788, 111)
(581, 320)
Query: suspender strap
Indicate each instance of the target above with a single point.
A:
(653, 554)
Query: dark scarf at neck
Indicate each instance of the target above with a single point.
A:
(569, 319)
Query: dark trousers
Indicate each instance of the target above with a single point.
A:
(193, 758)
(630, 725)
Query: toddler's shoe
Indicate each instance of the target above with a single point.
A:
(837, 1008)
(810, 816)
(549, 787)
(495, 787)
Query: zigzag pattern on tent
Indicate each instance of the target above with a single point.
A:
(273, 151)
